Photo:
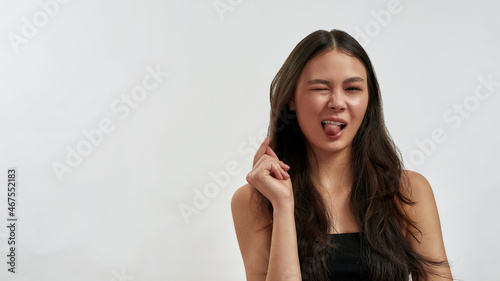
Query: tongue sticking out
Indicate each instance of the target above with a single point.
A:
(332, 129)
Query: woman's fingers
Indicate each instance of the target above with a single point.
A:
(274, 166)
(261, 150)
(265, 149)
(280, 173)
(285, 175)
(270, 152)
(284, 166)
(276, 171)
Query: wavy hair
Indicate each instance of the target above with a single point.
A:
(377, 200)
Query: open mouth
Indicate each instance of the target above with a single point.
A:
(333, 128)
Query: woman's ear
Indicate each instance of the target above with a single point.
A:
(291, 105)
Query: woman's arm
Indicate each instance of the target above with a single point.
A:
(426, 216)
(268, 246)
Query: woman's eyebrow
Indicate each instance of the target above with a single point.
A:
(326, 82)
(319, 81)
(354, 79)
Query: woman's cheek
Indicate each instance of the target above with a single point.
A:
(358, 103)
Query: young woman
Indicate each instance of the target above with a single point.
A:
(327, 197)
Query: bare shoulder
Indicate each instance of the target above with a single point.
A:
(242, 196)
(419, 191)
(424, 213)
(417, 188)
(428, 239)
(248, 211)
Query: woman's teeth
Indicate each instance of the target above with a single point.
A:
(333, 123)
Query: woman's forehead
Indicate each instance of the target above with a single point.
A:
(333, 65)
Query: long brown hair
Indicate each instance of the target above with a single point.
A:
(376, 198)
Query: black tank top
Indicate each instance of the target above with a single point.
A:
(344, 262)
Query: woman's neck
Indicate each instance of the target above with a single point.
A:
(332, 171)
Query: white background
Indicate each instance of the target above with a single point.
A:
(116, 214)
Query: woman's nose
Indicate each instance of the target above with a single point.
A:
(337, 101)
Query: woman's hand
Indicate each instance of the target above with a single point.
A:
(269, 176)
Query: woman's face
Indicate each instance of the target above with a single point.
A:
(330, 100)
